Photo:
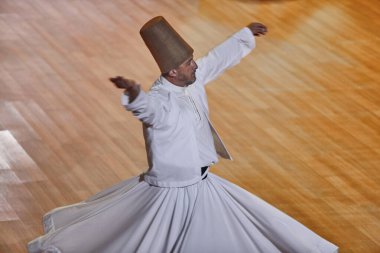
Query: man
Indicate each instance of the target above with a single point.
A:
(182, 144)
(180, 139)
(177, 205)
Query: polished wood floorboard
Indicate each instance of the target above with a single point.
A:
(300, 115)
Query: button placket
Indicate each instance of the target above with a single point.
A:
(193, 105)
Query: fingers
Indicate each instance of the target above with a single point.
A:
(123, 83)
(262, 29)
(258, 29)
(119, 82)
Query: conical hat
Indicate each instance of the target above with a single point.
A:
(165, 44)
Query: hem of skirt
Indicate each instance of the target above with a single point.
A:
(174, 184)
(48, 223)
(35, 247)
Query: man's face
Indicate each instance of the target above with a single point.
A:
(186, 72)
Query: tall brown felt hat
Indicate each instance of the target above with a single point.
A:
(165, 44)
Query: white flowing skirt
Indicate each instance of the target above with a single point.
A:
(211, 216)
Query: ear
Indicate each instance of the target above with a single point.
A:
(172, 73)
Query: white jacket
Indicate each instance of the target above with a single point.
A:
(170, 137)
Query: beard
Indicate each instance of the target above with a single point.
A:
(187, 79)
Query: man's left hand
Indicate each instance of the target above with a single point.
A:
(257, 29)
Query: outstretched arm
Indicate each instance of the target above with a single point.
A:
(229, 53)
(131, 88)
(153, 109)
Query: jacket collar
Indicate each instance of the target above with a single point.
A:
(169, 86)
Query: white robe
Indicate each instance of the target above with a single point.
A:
(170, 135)
(170, 208)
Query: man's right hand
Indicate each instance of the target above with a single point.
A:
(131, 87)
(258, 29)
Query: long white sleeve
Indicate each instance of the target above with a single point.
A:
(225, 55)
(153, 109)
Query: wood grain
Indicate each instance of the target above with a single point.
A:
(300, 115)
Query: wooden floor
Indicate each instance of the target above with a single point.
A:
(301, 114)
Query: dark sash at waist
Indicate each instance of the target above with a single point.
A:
(203, 172)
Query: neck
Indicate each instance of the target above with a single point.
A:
(175, 81)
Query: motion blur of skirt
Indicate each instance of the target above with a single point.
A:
(211, 216)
